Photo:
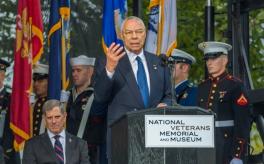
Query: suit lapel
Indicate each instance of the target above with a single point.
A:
(69, 147)
(153, 76)
(48, 145)
(127, 72)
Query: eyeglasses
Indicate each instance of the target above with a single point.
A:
(137, 32)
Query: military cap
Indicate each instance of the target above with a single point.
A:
(82, 60)
(180, 56)
(40, 71)
(214, 49)
(3, 65)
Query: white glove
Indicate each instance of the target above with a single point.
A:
(32, 99)
(64, 96)
(236, 161)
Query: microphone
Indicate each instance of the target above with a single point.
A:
(169, 62)
(166, 61)
(163, 59)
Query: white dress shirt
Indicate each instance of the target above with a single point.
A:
(134, 64)
(62, 141)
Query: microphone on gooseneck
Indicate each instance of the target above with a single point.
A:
(169, 62)
(166, 61)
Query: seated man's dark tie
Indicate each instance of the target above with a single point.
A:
(142, 82)
(58, 149)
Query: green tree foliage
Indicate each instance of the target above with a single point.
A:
(86, 22)
(257, 47)
(7, 27)
(190, 15)
(85, 35)
(191, 33)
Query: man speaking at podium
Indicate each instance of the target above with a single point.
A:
(225, 95)
(128, 78)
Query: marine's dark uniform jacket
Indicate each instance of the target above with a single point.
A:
(7, 139)
(37, 115)
(226, 96)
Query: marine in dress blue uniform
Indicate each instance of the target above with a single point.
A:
(225, 95)
(185, 91)
(40, 85)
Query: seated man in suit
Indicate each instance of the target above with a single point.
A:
(185, 92)
(56, 145)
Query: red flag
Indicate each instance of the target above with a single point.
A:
(29, 48)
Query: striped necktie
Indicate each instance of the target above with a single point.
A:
(142, 82)
(58, 149)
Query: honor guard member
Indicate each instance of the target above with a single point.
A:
(40, 87)
(185, 92)
(6, 136)
(84, 117)
(225, 95)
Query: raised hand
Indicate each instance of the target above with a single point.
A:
(114, 53)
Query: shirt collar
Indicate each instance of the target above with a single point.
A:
(132, 56)
(51, 135)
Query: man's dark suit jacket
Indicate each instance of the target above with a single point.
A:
(39, 150)
(122, 93)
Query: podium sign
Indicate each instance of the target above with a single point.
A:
(183, 131)
(151, 136)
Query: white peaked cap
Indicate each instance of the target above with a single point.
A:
(82, 60)
(41, 68)
(214, 47)
(182, 56)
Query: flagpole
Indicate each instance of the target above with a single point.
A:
(30, 90)
(63, 55)
(160, 27)
(209, 21)
(65, 15)
(209, 3)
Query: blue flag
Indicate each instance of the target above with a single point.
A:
(113, 15)
(59, 47)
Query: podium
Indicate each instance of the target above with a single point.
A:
(128, 142)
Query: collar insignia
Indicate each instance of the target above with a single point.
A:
(185, 95)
